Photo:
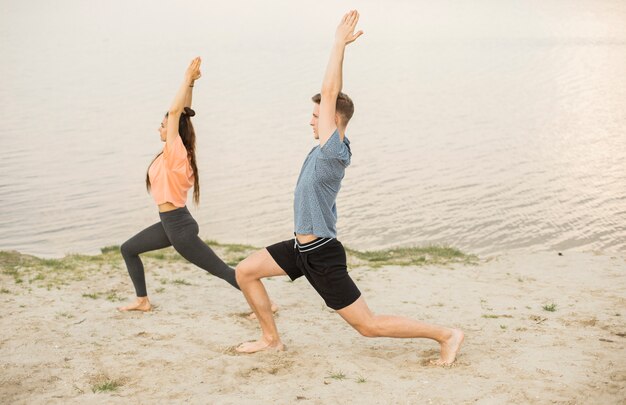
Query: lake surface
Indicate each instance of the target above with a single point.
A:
(491, 126)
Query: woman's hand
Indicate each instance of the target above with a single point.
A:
(193, 71)
(183, 96)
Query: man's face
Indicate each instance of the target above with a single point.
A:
(314, 119)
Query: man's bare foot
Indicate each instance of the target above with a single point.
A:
(259, 345)
(252, 315)
(140, 304)
(449, 349)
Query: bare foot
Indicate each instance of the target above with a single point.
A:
(141, 304)
(259, 345)
(450, 348)
(252, 315)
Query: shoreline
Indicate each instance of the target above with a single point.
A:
(540, 328)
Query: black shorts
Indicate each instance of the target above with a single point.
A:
(323, 263)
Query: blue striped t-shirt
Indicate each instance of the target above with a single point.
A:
(315, 211)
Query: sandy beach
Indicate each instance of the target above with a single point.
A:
(540, 328)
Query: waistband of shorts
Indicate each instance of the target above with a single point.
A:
(309, 246)
(178, 211)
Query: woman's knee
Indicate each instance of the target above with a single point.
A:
(127, 249)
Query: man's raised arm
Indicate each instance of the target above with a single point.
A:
(332, 83)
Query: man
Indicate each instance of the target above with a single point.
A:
(315, 252)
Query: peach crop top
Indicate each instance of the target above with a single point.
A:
(171, 175)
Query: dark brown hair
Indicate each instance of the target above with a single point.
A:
(344, 106)
(188, 135)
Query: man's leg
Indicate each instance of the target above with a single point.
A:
(359, 316)
(249, 273)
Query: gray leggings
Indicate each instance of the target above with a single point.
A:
(177, 228)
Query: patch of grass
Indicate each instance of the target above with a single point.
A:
(76, 261)
(160, 290)
(12, 264)
(156, 255)
(66, 315)
(163, 281)
(180, 281)
(106, 386)
(4, 291)
(233, 247)
(11, 259)
(237, 248)
(11, 272)
(113, 297)
(503, 327)
(232, 253)
(339, 375)
(493, 316)
(413, 256)
(361, 379)
(110, 249)
(236, 260)
(55, 272)
(54, 263)
(549, 307)
(93, 296)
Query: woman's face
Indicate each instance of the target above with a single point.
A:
(163, 129)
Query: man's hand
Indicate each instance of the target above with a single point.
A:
(345, 31)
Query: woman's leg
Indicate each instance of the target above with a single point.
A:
(192, 248)
(151, 238)
(182, 230)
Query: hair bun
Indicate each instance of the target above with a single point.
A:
(189, 112)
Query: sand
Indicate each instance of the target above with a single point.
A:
(62, 340)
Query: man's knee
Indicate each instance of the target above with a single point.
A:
(367, 330)
(246, 271)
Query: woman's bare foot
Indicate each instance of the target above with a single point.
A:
(260, 345)
(140, 304)
(252, 315)
(450, 348)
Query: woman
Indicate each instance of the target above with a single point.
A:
(170, 175)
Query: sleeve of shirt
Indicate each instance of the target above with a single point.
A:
(175, 154)
(332, 160)
(336, 150)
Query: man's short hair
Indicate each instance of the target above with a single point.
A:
(344, 107)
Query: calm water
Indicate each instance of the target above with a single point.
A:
(490, 126)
